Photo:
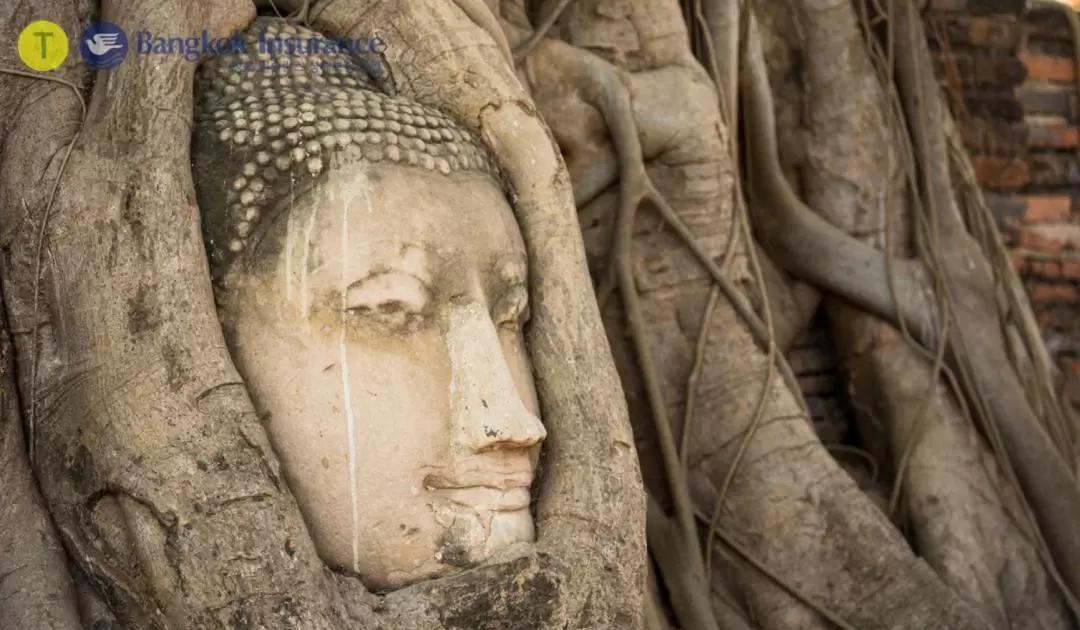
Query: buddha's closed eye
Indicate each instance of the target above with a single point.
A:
(393, 299)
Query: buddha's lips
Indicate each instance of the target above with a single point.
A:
(491, 491)
(488, 499)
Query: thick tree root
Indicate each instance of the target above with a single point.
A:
(677, 285)
(35, 588)
(809, 246)
(134, 389)
(603, 87)
(965, 517)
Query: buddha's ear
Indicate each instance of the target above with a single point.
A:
(442, 59)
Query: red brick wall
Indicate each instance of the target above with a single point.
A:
(1011, 82)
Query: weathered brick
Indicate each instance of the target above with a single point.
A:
(1051, 47)
(1044, 268)
(1054, 170)
(1070, 367)
(977, 7)
(1047, 208)
(1050, 238)
(1070, 268)
(1039, 242)
(1053, 136)
(1048, 99)
(1046, 292)
(818, 384)
(1046, 68)
(1001, 33)
(806, 361)
(1046, 319)
(999, 104)
(1046, 23)
(1001, 173)
(980, 69)
(1007, 209)
(986, 136)
(1004, 33)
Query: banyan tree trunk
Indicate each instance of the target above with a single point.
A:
(730, 173)
(803, 546)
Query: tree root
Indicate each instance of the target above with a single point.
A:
(77, 355)
(607, 92)
(857, 272)
(32, 420)
(540, 32)
(966, 520)
(35, 588)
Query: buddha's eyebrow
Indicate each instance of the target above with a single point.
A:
(384, 256)
(417, 259)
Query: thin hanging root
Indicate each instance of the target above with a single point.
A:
(606, 90)
(601, 84)
(792, 590)
(541, 32)
(480, 14)
(692, 382)
(295, 11)
(32, 420)
(634, 187)
(755, 422)
(688, 590)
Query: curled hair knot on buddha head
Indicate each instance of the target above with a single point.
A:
(270, 125)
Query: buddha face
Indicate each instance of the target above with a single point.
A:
(379, 330)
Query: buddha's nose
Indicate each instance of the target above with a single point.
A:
(488, 413)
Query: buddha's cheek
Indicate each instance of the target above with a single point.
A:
(355, 426)
(400, 410)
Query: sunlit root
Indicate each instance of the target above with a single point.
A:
(603, 87)
(800, 240)
(35, 588)
(964, 515)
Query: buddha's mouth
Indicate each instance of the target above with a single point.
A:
(485, 499)
(491, 492)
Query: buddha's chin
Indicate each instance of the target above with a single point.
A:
(471, 538)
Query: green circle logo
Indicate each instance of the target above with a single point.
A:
(43, 46)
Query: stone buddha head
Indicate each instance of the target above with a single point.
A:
(371, 283)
